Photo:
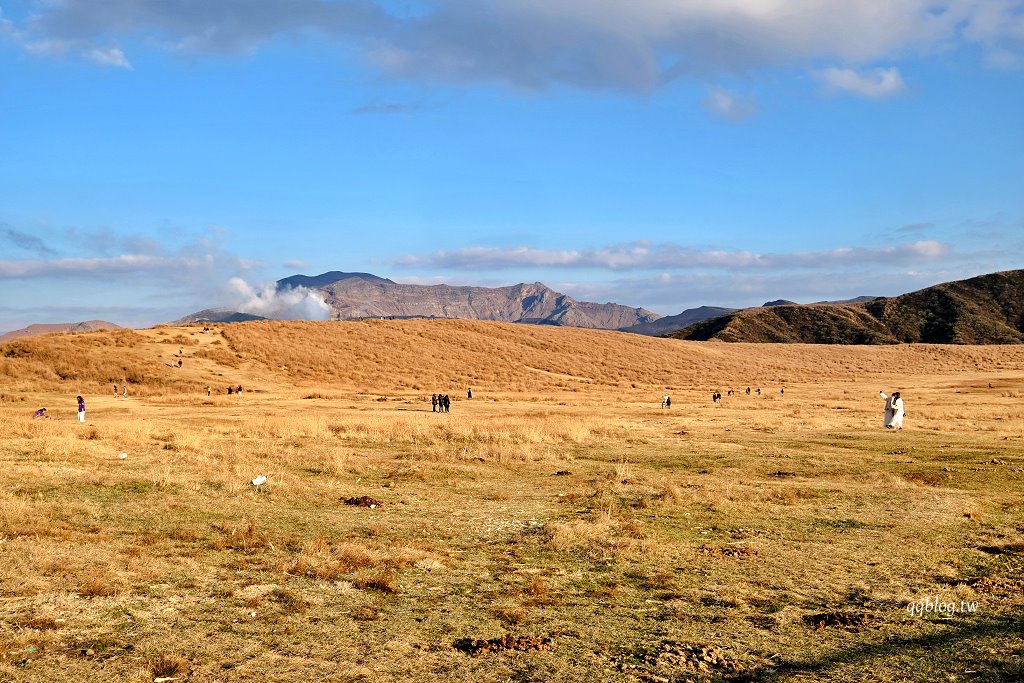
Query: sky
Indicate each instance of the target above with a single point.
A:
(158, 157)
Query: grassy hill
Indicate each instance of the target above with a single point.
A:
(988, 309)
(376, 356)
(559, 526)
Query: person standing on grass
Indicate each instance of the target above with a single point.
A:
(668, 401)
(115, 391)
(447, 403)
(893, 410)
(469, 392)
(125, 394)
(81, 409)
(433, 403)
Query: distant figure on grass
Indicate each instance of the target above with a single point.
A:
(433, 403)
(209, 391)
(748, 391)
(759, 391)
(469, 392)
(231, 390)
(115, 391)
(893, 410)
(239, 389)
(40, 413)
(664, 401)
(81, 409)
(179, 362)
(447, 401)
(716, 397)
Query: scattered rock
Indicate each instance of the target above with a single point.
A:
(735, 551)
(478, 648)
(676, 661)
(363, 502)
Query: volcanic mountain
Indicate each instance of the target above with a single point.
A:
(362, 295)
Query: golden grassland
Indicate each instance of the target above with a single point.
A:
(558, 526)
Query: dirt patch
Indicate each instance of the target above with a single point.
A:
(675, 661)
(849, 620)
(362, 501)
(475, 647)
(999, 585)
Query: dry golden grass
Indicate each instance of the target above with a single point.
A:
(560, 502)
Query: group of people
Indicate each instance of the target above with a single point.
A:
(231, 390)
(124, 394)
(441, 403)
(666, 401)
(43, 414)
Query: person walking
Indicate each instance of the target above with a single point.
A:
(81, 409)
(469, 392)
(893, 410)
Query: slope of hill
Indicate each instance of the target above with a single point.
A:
(377, 357)
(671, 323)
(32, 330)
(217, 315)
(988, 309)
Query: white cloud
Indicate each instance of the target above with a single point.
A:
(648, 256)
(872, 83)
(111, 56)
(729, 105)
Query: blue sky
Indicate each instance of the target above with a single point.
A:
(162, 156)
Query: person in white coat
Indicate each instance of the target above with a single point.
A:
(893, 410)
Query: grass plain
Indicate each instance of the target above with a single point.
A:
(560, 525)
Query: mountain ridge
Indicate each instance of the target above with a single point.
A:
(51, 328)
(986, 309)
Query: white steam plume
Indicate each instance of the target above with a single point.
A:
(295, 303)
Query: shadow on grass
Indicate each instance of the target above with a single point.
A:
(960, 649)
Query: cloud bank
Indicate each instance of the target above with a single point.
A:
(535, 44)
(645, 255)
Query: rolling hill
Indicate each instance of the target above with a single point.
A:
(32, 330)
(988, 309)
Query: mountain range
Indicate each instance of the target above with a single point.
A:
(46, 328)
(988, 309)
(354, 296)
